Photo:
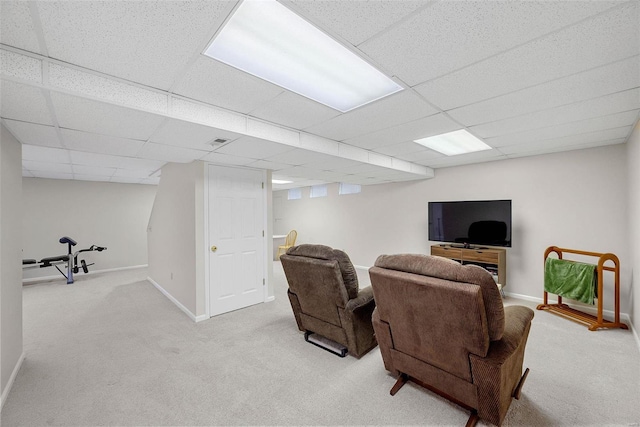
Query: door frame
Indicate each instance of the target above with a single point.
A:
(207, 268)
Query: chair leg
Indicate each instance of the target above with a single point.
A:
(473, 419)
(402, 380)
(518, 389)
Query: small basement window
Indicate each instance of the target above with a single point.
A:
(318, 191)
(346, 188)
(294, 194)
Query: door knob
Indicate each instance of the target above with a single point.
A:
(214, 248)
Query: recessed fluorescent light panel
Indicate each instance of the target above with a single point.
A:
(266, 39)
(454, 143)
(280, 181)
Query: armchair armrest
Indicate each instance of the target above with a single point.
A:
(356, 319)
(498, 374)
(364, 298)
(517, 321)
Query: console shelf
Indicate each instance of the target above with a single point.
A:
(490, 258)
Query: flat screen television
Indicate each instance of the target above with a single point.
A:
(471, 223)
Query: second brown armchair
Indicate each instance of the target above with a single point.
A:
(326, 299)
(443, 325)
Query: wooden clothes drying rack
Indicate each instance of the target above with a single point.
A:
(593, 322)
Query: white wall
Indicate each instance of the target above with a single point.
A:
(573, 199)
(175, 234)
(92, 213)
(633, 161)
(177, 239)
(10, 271)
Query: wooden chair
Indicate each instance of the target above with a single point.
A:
(288, 242)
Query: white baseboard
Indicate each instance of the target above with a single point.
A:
(624, 317)
(586, 309)
(32, 280)
(201, 318)
(633, 329)
(12, 378)
(271, 298)
(177, 303)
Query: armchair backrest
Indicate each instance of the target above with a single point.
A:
(322, 278)
(438, 311)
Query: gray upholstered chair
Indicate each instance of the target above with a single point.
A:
(326, 299)
(443, 325)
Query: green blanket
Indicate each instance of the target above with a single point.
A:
(569, 279)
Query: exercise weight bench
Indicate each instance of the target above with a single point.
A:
(71, 259)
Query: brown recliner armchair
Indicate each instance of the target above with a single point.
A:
(443, 325)
(325, 296)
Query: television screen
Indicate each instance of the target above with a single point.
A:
(471, 223)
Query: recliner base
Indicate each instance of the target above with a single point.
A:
(325, 343)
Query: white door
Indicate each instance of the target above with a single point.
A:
(236, 238)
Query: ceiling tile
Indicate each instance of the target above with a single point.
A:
(45, 154)
(267, 164)
(227, 159)
(292, 110)
(531, 150)
(169, 153)
(37, 166)
(23, 102)
(352, 179)
(127, 173)
(421, 128)
(270, 132)
(319, 144)
(106, 89)
(208, 115)
(191, 135)
(602, 106)
(468, 31)
(580, 139)
(95, 178)
(298, 157)
(296, 172)
(34, 134)
(20, 66)
(125, 180)
(145, 165)
(52, 175)
(333, 164)
(612, 121)
(407, 147)
(254, 148)
(355, 21)
(420, 157)
(465, 159)
(146, 42)
(16, 26)
(93, 159)
(93, 170)
(592, 43)
(393, 110)
(620, 76)
(107, 119)
(94, 143)
(219, 84)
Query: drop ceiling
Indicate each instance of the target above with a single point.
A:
(111, 91)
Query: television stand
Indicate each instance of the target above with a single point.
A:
(492, 259)
(463, 246)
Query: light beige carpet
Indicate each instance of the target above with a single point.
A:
(112, 350)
